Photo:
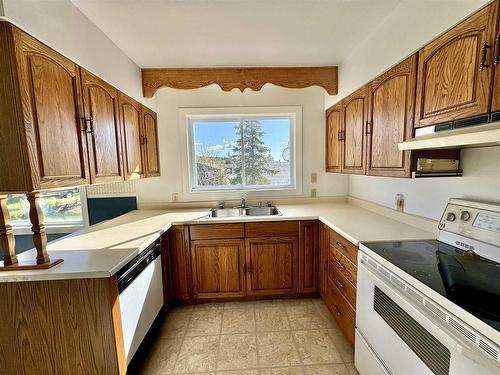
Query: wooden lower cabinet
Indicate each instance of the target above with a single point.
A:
(308, 256)
(338, 280)
(324, 246)
(218, 268)
(181, 262)
(272, 266)
(61, 327)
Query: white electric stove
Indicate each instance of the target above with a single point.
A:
(433, 306)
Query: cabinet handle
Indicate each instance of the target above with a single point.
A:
(339, 135)
(338, 310)
(325, 266)
(90, 128)
(341, 245)
(497, 49)
(368, 128)
(83, 124)
(341, 265)
(341, 284)
(484, 52)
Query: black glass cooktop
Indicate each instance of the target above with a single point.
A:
(470, 281)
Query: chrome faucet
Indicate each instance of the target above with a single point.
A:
(243, 202)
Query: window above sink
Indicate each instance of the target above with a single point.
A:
(242, 149)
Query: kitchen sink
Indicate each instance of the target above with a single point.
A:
(226, 212)
(244, 211)
(262, 211)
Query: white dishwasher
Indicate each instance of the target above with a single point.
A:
(141, 296)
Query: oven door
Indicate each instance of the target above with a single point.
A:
(394, 337)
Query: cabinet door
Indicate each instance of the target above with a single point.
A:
(391, 106)
(333, 138)
(271, 266)
(355, 110)
(180, 261)
(308, 256)
(495, 104)
(166, 263)
(324, 244)
(218, 268)
(151, 149)
(103, 129)
(131, 118)
(454, 71)
(51, 99)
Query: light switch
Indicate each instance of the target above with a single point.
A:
(314, 177)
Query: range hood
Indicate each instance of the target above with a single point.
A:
(473, 136)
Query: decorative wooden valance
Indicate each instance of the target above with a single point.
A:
(240, 78)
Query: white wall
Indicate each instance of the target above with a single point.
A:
(428, 196)
(159, 190)
(62, 26)
(410, 25)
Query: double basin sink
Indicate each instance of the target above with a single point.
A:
(244, 211)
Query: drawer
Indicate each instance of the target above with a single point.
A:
(216, 231)
(343, 265)
(272, 229)
(344, 286)
(342, 312)
(346, 247)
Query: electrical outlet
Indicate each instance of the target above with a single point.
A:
(313, 193)
(400, 202)
(175, 197)
(314, 177)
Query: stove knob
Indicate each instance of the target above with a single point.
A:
(465, 216)
(450, 217)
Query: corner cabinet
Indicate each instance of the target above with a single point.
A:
(46, 98)
(334, 138)
(131, 115)
(455, 71)
(390, 120)
(150, 143)
(355, 110)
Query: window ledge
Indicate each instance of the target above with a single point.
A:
(52, 228)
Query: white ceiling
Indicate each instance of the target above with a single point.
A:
(196, 33)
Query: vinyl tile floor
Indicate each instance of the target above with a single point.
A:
(271, 337)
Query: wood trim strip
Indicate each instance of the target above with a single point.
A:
(240, 78)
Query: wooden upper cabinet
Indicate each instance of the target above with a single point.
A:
(218, 268)
(103, 129)
(45, 109)
(390, 118)
(495, 104)
(355, 109)
(151, 148)
(333, 138)
(272, 266)
(131, 118)
(455, 71)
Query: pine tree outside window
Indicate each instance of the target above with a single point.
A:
(241, 152)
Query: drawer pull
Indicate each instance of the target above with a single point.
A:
(339, 313)
(341, 265)
(341, 245)
(341, 284)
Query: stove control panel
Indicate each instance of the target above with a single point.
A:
(476, 220)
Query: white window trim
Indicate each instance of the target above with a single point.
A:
(188, 194)
(53, 227)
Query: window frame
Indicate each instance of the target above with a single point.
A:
(193, 192)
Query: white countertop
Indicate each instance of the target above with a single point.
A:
(101, 250)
